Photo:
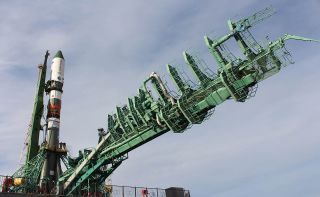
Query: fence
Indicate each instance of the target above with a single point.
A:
(7, 182)
(127, 191)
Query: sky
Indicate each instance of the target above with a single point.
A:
(267, 146)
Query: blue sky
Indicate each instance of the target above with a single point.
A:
(267, 146)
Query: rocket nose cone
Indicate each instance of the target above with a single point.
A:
(59, 55)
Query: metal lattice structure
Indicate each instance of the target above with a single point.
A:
(35, 124)
(145, 117)
(30, 172)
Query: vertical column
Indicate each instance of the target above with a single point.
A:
(52, 168)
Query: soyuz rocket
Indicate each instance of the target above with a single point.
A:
(51, 169)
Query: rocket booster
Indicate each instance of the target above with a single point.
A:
(51, 169)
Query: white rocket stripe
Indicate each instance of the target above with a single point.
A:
(55, 94)
(57, 70)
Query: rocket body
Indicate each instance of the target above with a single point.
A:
(55, 95)
(52, 168)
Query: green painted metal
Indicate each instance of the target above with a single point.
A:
(35, 126)
(147, 117)
(30, 172)
(59, 55)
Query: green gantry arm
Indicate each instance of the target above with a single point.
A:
(145, 118)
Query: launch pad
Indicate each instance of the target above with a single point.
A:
(144, 117)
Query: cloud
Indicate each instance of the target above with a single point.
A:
(264, 147)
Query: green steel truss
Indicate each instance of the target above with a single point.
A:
(35, 126)
(145, 117)
(30, 172)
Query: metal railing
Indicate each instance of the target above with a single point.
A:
(129, 191)
(7, 183)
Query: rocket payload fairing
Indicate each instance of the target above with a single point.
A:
(51, 169)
